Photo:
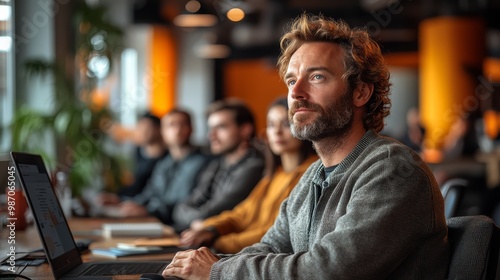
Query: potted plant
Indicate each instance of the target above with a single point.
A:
(77, 124)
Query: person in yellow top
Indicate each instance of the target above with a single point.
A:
(288, 158)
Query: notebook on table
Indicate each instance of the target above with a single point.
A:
(57, 240)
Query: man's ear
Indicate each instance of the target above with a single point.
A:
(362, 94)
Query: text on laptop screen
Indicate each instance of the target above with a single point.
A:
(45, 204)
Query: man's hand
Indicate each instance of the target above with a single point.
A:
(192, 264)
(196, 238)
(132, 209)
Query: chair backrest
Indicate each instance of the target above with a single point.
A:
(475, 246)
(452, 191)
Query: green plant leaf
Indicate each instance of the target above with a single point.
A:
(73, 123)
(61, 121)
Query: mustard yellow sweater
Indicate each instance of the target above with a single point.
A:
(246, 223)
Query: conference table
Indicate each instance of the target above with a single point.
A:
(82, 228)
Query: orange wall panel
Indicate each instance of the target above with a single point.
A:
(257, 83)
(449, 48)
(162, 70)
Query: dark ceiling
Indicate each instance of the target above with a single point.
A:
(393, 23)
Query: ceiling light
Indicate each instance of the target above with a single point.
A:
(195, 20)
(193, 6)
(235, 14)
(212, 46)
(213, 51)
(195, 15)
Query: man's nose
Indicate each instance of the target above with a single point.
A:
(298, 90)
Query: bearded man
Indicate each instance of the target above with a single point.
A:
(369, 208)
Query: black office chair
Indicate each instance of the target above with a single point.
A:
(475, 247)
(453, 191)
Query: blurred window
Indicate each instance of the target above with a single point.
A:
(6, 71)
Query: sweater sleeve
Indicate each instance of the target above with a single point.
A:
(277, 237)
(389, 211)
(250, 258)
(237, 219)
(233, 242)
(249, 221)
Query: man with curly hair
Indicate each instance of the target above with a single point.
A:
(369, 208)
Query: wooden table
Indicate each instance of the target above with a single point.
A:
(82, 228)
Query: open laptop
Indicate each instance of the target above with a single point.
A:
(57, 240)
(4, 164)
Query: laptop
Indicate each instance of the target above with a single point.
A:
(4, 164)
(57, 239)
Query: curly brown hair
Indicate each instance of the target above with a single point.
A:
(363, 61)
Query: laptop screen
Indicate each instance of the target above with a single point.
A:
(50, 217)
(4, 164)
(53, 229)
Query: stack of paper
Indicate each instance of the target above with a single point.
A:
(132, 229)
(141, 246)
(160, 242)
(117, 252)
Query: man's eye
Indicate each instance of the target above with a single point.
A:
(318, 77)
(291, 82)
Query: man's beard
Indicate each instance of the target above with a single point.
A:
(227, 150)
(333, 122)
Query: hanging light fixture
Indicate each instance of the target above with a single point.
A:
(235, 14)
(195, 15)
(213, 46)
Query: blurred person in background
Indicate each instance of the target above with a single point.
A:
(415, 131)
(461, 140)
(150, 149)
(173, 177)
(230, 177)
(287, 158)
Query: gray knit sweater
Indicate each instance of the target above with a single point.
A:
(379, 216)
